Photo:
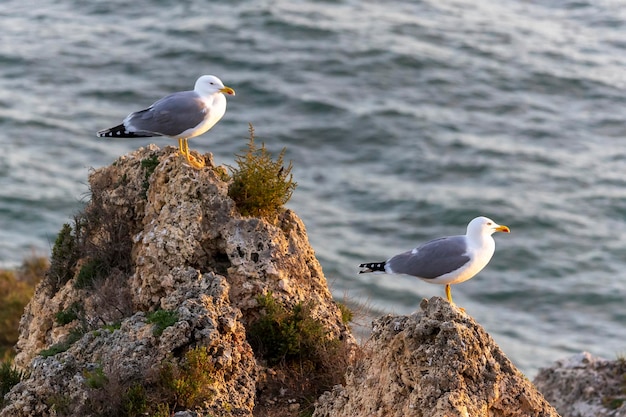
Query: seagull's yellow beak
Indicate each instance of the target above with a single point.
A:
(503, 228)
(227, 90)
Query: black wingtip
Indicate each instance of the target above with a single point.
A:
(372, 267)
(119, 131)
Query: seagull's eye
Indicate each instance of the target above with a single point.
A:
(489, 224)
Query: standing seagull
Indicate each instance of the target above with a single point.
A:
(447, 260)
(182, 115)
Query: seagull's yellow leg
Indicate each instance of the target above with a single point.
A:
(449, 294)
(193, 161)
(181, 147)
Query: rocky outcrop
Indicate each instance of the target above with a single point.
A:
(585, 386)
(152, 294)
(160, 236)
(436, 363)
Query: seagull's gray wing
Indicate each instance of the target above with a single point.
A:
(169, 116)
(433, 259)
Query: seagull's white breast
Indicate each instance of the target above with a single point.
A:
(215, 105)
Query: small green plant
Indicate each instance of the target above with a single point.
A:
(95, 378)
(299, 349)
(282, 334)
(60, 403)
(54, 349)
(614, 402)
(90, 272)
(193, 381)
(9, 377)
(346, 314)
(113, 326)
(64, 257)
(72, 313)
(162, 410)
(189, 383)
(134, 401)
(74, 335)
(162, 319)
(149, 165)
(260, 186)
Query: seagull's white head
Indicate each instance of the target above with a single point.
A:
(484, 226)
(209, 84)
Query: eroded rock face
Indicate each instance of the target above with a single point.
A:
(585, 386)
(68, 383)
(169, 238)
(435, 363)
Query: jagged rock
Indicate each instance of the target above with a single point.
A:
(162, 236)
(435, 363)
(585, 386)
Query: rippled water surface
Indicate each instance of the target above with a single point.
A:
(404, 120)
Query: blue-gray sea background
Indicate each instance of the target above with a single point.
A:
(404, 120)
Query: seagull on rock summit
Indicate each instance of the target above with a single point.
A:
(182, 115)
(447, 260)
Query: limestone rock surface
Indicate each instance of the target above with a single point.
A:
(585, 386)
(160, 235)
(66, 383)
(436, 363)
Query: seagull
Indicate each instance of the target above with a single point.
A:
(447, 260)
(182, 115)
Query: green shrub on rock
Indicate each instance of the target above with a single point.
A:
(261, 186)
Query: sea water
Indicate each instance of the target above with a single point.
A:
(404, 120)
